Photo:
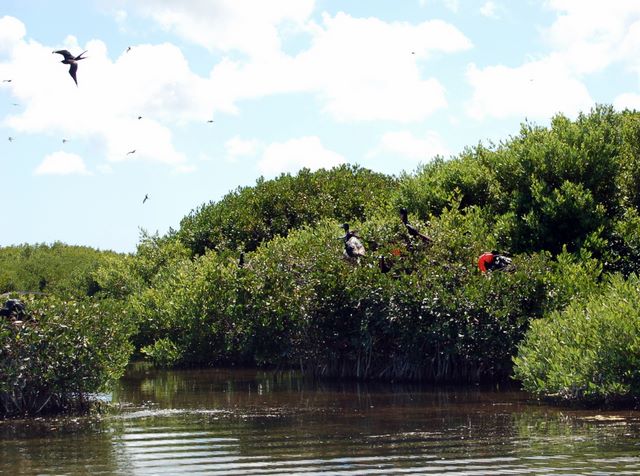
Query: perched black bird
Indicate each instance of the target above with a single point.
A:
(383, 264)
(353, 247)
(241, 260)
(146, 197)
(72, 61)
(412, 230)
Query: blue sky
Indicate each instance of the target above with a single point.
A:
(287, 84)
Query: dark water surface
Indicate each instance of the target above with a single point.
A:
(253, 422)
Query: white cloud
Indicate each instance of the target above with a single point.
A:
(536, 90)
(592, 34)
(62, 163)
(248, 26)
(295, 154)
(153, 81)
(488, 9)
(12, 31)
(364, 70)
(237, 147)
(627, 101)
(406, 144)
(403, 150)
(360, 68)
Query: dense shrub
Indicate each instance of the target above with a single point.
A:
(60, 352)
(588, 352)
(250, 215)
(57, 268)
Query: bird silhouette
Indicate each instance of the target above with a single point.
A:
(72, 61)
(64, 141)
(131, 152)
(383, 264)
(412, 230)
(7, 80)
(139, 117)
(210, 121)
(353, 247)
(10, 139)
(146, 197)
(128, 49)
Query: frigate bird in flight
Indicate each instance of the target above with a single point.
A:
(72, 61)
(146, 197)
(131, 152)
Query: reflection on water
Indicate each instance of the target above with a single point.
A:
(253, 422)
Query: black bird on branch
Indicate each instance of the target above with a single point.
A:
(412, 230)
(72, 61)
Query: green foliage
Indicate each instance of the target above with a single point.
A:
(61, 352)
(250, 215)
(57, 268)
(563, 200)
(588, 352)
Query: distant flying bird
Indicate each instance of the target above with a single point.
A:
(64, 141)
(146, 197)
(210, 121)
(131, 152)
(7, 80)
(10, 139)
(139, 117)
(128, 49)
(71, 61)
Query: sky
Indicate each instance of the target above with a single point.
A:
(184, 101)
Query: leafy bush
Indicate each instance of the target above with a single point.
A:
(61, 351)
(248, 216)
(588, 352)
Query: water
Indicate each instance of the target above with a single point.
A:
(252, 422)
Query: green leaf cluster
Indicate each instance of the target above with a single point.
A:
(588, 352)
(61, 352)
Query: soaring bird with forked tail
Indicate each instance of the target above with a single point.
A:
(72, 61)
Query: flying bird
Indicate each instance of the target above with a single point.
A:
(72, 61)
(139, 117)
(146, 197)
(131, 152)
(128, 49)
(7, 80)
(210, 121)
(10, 139)
(64, 141)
